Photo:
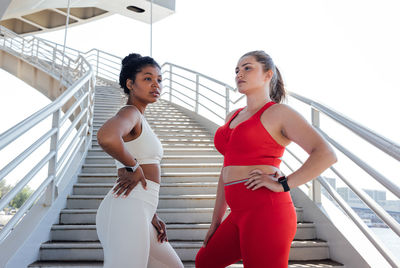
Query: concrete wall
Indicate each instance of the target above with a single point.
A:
(33, 76)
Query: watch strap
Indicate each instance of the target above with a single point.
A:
(283, 181)
(132, 169)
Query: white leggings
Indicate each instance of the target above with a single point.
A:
(127, 235)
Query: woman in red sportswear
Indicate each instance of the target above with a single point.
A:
(262, 222)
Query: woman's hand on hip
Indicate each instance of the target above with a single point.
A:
(258, 179)
(128, 180)
(161, 229)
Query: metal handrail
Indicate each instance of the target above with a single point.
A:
(101, 64)
(108, 70)
(77, 75)
(381, 143)
(360, 224)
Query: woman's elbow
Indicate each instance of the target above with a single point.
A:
(103, 139)
(331, 156)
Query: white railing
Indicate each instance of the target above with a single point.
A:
(70, 131)
(105, 66)
(195, 91)
(214, 99)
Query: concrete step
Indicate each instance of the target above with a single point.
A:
(168, 215)
(154, 123)
(216, 158)
(165, 177)
(186, 250)
(186, 264)
(165, 167)
(187, 135)
(167, 151)
(159, 119)
(165, 189)
(171, 130)
(178, 140)
(176, 232)
(176, 146)
(107, 160)
(165, 201)
(176, 215)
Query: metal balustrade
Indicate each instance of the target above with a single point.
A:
(76, 74)
(192, 90)
(197, 92)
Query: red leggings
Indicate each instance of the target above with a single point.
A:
(259, 230)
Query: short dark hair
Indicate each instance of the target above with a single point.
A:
(131, 65)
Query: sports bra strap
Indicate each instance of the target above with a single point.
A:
(265, 107)
(234, 115)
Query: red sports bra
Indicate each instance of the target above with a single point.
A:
(249, 143)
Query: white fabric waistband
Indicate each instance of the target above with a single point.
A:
(150, 195)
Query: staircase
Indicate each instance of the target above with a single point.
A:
(190, 170)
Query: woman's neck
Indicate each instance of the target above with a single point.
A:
(139, 105)
(256, 100)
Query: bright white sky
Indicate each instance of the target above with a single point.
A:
(343, 53)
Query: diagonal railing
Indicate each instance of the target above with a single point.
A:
(106, 66)
(69, 133)
(214, 99)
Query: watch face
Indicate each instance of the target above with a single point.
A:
(129, 169)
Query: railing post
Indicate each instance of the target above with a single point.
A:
(170, 83)
(54, 60)
(50, 191)
(86, 104)
(23, 48)
(227, 100)
(37, 50)
(196, 108)
(315, 189)
(97, 64)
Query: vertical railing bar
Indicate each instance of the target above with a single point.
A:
(170, 83)
(196, 109)
(315, 190)
(52, 169)
(227, 100)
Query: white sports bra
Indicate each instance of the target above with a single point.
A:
(147, 148)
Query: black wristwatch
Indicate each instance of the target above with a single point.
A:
(132, 169)
(283, 181)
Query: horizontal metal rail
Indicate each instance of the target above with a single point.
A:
(76, 74)
(360, 224)
(384, 144)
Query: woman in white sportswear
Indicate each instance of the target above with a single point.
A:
(128, 227)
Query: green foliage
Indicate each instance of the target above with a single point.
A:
(20, 198)
(4, 188)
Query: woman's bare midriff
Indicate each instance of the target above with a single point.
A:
(234, 173)
(152, 172)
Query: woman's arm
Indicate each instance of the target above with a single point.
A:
(321, 154)
(110, 135)
(219, 210)
(220, 203)
(293, 127)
